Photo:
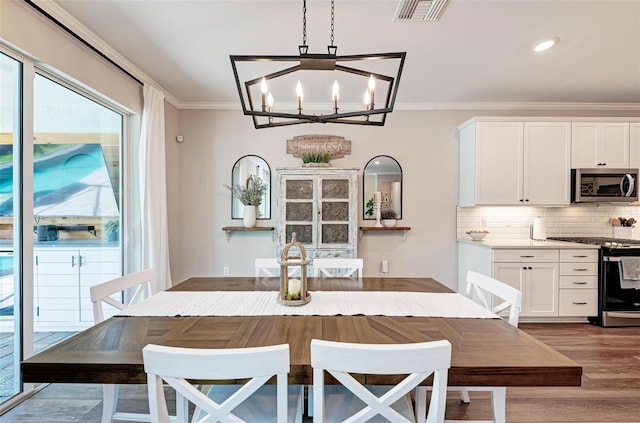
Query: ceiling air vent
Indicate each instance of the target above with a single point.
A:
(420, 10)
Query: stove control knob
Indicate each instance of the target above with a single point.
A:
(608, 244)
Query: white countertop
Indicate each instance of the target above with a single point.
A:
(525, 243)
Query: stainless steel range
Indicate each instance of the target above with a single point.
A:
(618, 298)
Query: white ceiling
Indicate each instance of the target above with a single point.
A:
(478, 52)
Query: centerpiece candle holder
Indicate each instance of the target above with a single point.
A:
(293, 291)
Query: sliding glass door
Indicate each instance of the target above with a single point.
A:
(76, 206)
(10, 284)
(60, 210)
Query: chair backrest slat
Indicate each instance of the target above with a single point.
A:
(343, 267)
(486, 289)
(270, 267)
(102, 293)
(418, 361)
(180, 366)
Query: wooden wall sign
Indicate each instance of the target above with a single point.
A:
(337, 146)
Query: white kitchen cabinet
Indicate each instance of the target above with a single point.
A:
(578, 283)
(556, 283)
(535, 274)
(634, 145)
(62, 281)
(320, 205)
(600, 144)
(507, 163)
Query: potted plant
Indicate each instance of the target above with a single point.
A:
(388, 217)
(369, 208)
(250, 195)
(112, 229)
(316, 159)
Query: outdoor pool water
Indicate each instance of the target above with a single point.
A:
(58, 177)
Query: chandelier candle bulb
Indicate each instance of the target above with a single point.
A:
(372, 88)
(299, 95)
(264, 89)
(336, 95)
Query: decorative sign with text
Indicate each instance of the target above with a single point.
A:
(337, 146)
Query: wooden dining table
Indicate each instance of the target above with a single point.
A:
(485, 352)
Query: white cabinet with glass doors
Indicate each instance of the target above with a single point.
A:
(320, 206)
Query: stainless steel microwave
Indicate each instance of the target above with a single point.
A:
(602, 185)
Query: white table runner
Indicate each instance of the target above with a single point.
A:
(323, 303)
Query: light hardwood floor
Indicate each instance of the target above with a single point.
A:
(610, 390)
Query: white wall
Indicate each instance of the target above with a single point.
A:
(423, 142)
(26, 31)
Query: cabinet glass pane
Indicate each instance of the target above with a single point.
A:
(304, 233)
(335, 188)
(335, 234)
(299, 212)
(335, 211)
(299, 189)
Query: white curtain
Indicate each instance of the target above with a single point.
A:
(153, 189)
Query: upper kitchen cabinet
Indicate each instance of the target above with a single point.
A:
(634, 145)
(514, 162)
(598, 144)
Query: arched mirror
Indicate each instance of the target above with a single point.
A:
(244, 168)
(382, 174)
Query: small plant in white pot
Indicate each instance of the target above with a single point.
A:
(250, 195)
(388, 217)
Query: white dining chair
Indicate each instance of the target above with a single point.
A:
(486, 291)
(338, 267)
(116, 295)
(253, 401)
(359, 403)
(270, 267)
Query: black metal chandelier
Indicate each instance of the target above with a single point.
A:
(319, 78)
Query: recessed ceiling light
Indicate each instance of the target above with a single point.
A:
(545, 44)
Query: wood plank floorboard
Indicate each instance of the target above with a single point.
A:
(610, 391)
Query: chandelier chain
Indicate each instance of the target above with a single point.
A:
(332, 20)
(304, 22)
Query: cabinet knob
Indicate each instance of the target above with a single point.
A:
(526, 200)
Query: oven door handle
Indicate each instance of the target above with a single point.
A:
(610, 258)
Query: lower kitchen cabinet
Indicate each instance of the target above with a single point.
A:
(555, 283)
(578, 283)
(535, 274)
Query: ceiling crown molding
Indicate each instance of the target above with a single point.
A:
(99, 44)
(447, 106)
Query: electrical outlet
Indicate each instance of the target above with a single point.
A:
(225, 270)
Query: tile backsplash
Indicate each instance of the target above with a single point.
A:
(514, 222)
